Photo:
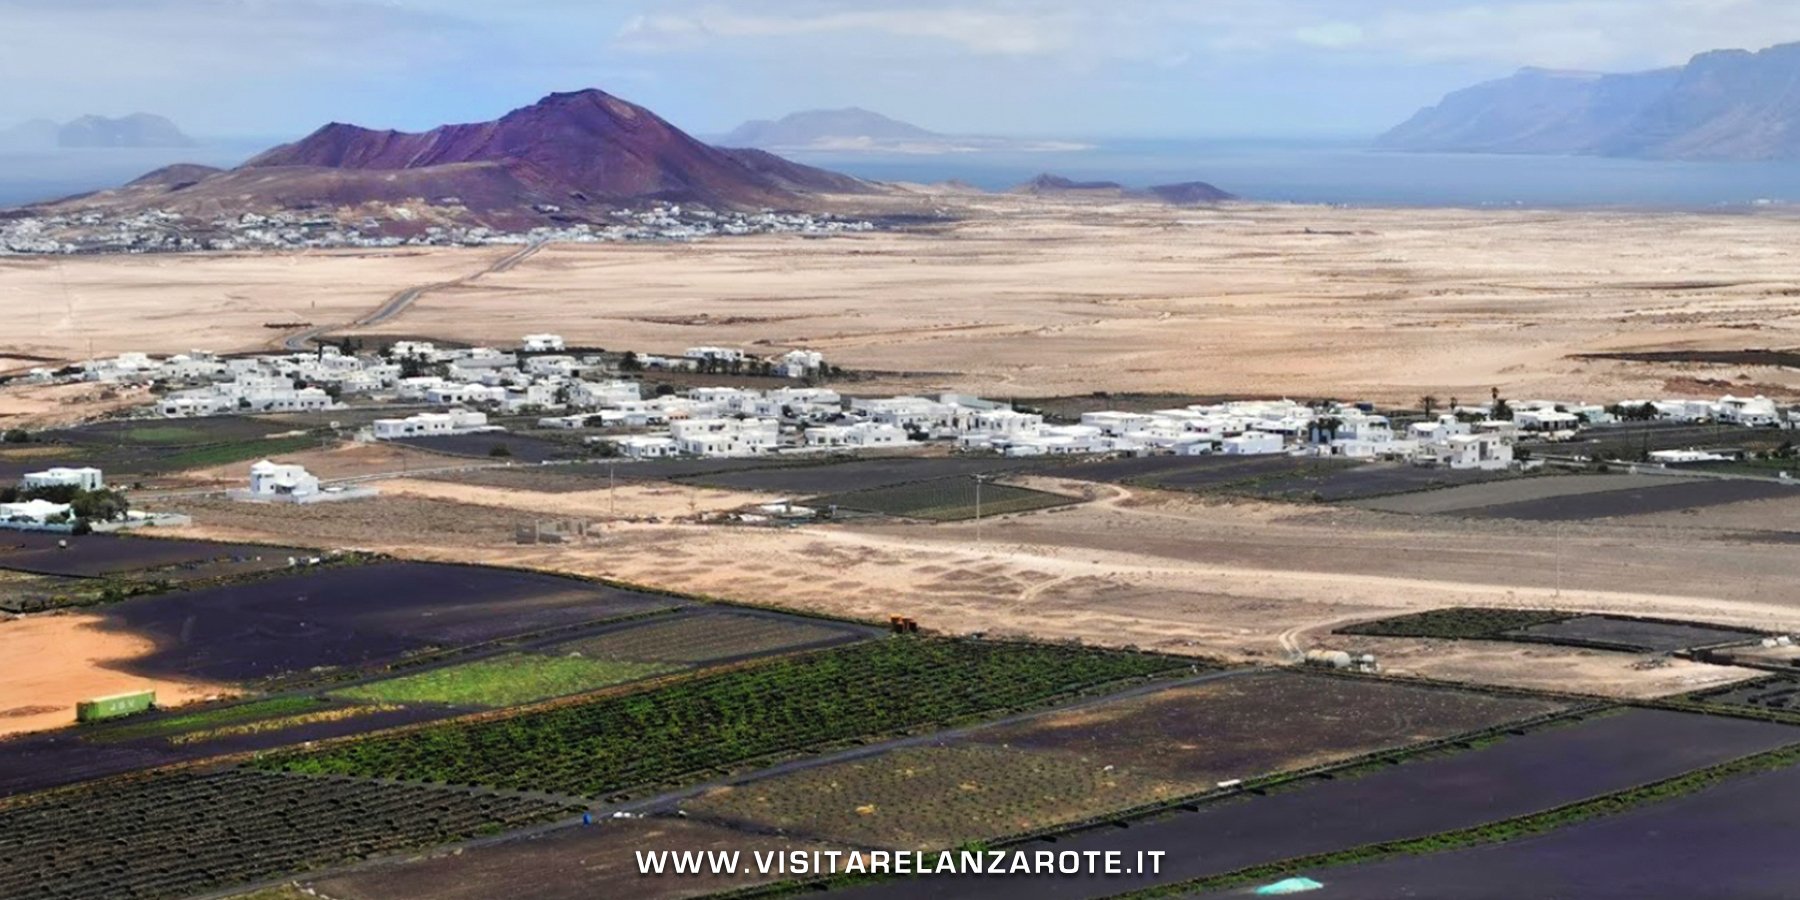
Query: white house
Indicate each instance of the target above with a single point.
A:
(1472, 451)
(85, 479)
(34, 514)
(726, 437)
(1754, 412)
(544, 343)
(800, 363)
(456, 421)
(268, 479)
(716, 354)
(642, 446)
(1253, 443)
(860, 434)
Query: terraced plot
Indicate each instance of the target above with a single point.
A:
(861, 475)
(98, 555)
(673, 733)
(1540, 770)
(1655, 498)
(190, 833)
(709, 637)
(359, 616)
(1570, 629)
(1730, 840)
(1473, 498)
(508, 680)
(1101, 759)
(944, 500)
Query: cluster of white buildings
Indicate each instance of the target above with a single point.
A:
(382, 225)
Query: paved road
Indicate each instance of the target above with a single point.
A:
(400, 301)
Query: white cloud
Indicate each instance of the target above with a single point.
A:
(983, 31)
(1330, 34)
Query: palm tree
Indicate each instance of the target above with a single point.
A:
(1429, 402)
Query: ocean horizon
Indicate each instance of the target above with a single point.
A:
(1288, 171)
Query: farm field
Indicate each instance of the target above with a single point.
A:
(1476, 497)
(1733, 839)
(711, 637)
(191, 833)
(1180, 472)
(944, 500)
(1104, 758)
(863, 474)
(567, 864)
(1777, 693)
(32, 762)
(1539, 770)
(1657, 498)
(1630, 634)
(519, 448)
(508, 680)
(171, 432)
(1338, 482)
(1552, 627)
(97, 555)
(667, 735)
(357, 616)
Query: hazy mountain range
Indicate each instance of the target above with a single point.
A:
(1723, 105)
(136, 131)
(856, 130)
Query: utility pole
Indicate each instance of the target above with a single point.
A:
(978, 482)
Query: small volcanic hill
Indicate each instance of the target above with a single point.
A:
(1057, 184)
(576, 155)
(1187, 193)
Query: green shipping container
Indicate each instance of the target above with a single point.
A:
(113, 707)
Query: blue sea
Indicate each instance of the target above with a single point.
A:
(1339, 172)
(1354, 174)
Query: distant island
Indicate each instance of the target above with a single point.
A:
(1187, 193)
(1730, 105)
(857, 130)
(135, 131)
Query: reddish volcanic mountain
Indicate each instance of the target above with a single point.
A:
(579, 147)
(579, 153)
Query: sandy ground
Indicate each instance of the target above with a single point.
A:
(1242, 581)
(54, 405)
(629, 500)
(67, 308)
(1032, 296)
(49, 663)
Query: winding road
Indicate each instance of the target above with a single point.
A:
(398, 303)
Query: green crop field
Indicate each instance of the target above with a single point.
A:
(692, 640)
(216, 717)
(234, 451)
(680, 732)
(508, 680)
(944, 500)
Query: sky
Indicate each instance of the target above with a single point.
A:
(1051, 68)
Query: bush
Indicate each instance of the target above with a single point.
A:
(500, 450)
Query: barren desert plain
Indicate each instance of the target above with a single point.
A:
(1034, 296)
